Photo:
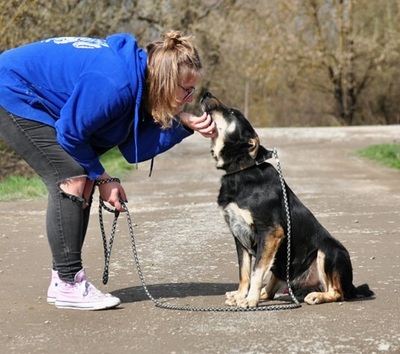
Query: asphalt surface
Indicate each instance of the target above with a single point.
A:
(188, 257)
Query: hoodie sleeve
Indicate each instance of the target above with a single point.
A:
(152, 140)
(94, 103)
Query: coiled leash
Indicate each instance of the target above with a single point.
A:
(108, 247)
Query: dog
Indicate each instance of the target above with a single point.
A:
(252, 203)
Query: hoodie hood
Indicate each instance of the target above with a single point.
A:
(126, 47)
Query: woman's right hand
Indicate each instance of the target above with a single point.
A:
(112, 193)
(203, 124)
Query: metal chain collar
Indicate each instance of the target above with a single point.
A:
(108, 247)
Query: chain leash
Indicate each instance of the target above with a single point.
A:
(108, 247)
(288, 226)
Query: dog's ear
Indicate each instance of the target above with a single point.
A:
(254, 143)
(265, 153)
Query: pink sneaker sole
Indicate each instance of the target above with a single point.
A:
(108, 303)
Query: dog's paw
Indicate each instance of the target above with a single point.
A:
(230, 301)
(252, 302)
(264, 295)
(243, 303)
(313, 298)
(246, 303)
(231, 294)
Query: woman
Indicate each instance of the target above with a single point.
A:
(65, 101)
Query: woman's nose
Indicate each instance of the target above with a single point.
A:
(189, 99)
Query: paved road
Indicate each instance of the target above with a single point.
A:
(188, 258)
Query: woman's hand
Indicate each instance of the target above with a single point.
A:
(112, 192)
(203, 124)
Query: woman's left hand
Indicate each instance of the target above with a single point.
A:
(203, 124)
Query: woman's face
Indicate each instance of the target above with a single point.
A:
(186, 90)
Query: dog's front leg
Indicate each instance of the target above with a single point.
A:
(266, 252)
(244, 261)
(273, 285)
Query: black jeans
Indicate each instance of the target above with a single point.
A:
(66, 219)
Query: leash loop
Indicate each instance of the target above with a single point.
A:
(108, 247)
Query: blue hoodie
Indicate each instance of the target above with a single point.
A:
(90, 91)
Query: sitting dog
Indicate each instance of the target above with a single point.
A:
(252, 203)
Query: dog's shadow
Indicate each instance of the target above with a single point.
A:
(173, 290)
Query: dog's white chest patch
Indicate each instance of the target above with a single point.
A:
(240, 222)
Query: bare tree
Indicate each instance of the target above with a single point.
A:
(285, 62)
(334, 49)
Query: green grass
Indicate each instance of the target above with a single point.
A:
(115, 164)
(18, 187)
(385, 154)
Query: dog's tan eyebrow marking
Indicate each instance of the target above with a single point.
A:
(231, 127)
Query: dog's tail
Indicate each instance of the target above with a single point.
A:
(361, 291)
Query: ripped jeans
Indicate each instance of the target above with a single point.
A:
(66, 219)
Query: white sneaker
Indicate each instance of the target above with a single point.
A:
(82, 295)
(53, 287)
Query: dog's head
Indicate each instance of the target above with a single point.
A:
(237, 145)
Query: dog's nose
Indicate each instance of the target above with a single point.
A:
(207, 95)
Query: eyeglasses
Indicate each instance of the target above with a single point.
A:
(189, 91)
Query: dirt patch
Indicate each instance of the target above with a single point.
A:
(187, 256)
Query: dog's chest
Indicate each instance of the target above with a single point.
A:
(240, 222)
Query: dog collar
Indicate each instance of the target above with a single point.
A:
(255, 162)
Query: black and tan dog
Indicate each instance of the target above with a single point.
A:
(252, 203)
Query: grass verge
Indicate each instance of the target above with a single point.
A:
(384, 154)
(19, 187)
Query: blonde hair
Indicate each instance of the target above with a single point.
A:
(169, 63)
